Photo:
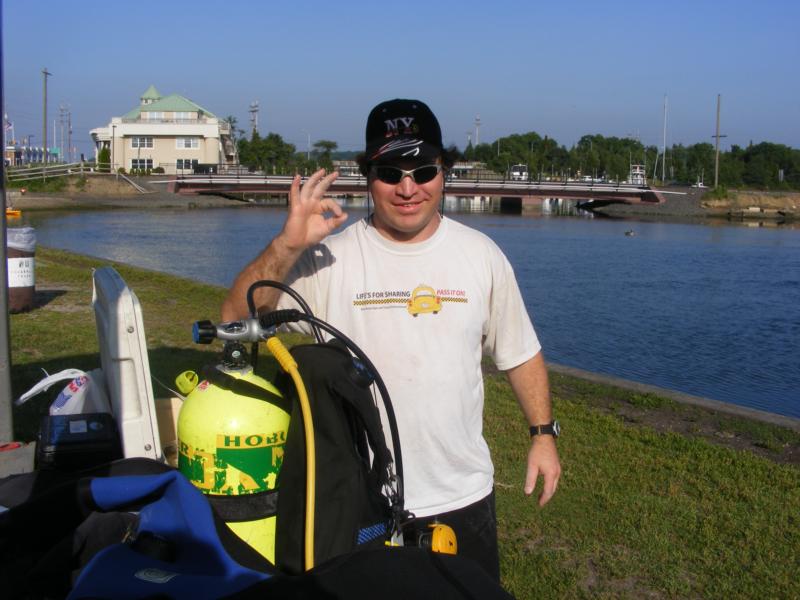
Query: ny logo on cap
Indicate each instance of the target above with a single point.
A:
(393, 126)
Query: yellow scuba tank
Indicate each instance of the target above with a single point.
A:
(232, 429)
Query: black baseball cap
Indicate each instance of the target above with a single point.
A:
(402, 129)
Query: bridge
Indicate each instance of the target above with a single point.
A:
(589, 194)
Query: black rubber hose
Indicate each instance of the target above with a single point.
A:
(251, 305)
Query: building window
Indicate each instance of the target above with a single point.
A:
(151, 116)
(186, 164)
(141, 142)
(141, 163)
(185, 116)
(187, 142)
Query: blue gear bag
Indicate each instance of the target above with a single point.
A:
(176, 551)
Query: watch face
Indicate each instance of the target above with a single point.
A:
(556, 429)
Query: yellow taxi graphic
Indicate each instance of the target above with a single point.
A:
(424, 300)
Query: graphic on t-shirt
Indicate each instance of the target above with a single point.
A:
(423, 299)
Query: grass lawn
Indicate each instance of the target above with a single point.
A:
(642, 511)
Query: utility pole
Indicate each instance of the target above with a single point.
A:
(69, 137)
(6, 415)
(308, 144)
(717, 136)
(254, 116)
(664, 145)
(45, 75)
(62, 120)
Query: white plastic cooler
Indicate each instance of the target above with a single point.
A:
(123, 357)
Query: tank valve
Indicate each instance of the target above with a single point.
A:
(204, 332)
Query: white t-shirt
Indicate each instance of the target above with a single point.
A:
(424, 313)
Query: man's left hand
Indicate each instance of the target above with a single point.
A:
(543, 460)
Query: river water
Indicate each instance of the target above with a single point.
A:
(710, 310)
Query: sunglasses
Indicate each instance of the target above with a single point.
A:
(393, 175)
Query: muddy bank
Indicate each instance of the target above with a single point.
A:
(154, 200)
(691, 203)
(108, 191)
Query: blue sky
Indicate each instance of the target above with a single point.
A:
(561, 69)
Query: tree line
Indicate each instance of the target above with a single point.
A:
(764, 166)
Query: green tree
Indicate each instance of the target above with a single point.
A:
(269, 154)
(322, 152)
(232, 122)
(104, 160)
(699, 163)
(763, 163)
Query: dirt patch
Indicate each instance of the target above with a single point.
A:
(693, 203)
(131, 199)
(788, 201)
(756, 206)
(96, 184)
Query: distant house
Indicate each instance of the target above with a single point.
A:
(347, 168)
(170, 132)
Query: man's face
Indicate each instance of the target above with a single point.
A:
(406, 211)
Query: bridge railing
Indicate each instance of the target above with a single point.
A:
(50, 170)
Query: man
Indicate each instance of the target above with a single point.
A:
(424, 297)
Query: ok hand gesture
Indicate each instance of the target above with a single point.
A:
(312, 215)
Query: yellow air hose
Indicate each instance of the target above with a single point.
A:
(289, 365)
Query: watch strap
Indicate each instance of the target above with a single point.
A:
(551, 428)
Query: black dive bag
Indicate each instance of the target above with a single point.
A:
(353, 462)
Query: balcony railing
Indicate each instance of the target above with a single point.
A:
(174, 121)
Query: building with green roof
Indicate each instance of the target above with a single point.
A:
(170, 132)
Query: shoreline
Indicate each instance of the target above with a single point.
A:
(684, 204)
(163, 200)
(678, 211)
(769, 435)
(39, 201)
(736, 410)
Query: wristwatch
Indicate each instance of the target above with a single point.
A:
(553, 429)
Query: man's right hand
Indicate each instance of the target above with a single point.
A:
(312, 215)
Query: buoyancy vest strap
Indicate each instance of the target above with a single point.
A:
(349, 393)
(242, 387)
(245, 507)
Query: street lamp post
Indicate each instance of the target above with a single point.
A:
(45, 75)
